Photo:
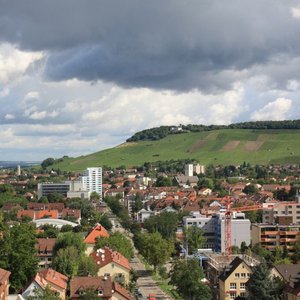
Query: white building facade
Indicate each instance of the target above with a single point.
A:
(92, 180)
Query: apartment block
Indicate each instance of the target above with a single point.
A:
(271, 236)
(92, 180)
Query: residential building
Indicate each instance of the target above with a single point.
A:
(44, 248)
(92, 180)
(281, 209)
(144, 214)
(47, 277)
(91, 238)
(4, 284)
(287, 273)
(188, 170)
(199, 169)
(112, 263)
(102, 286)
(232, 282)
(271, 236)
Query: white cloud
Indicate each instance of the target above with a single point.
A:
(276, 110)
(9, 117)
(296, 12)
(13, 62)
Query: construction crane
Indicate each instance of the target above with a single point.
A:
(228, 213)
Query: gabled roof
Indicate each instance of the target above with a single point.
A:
(97, 231)
(122, 291)
(288, 271)
(51, 277)
(105, 256)
(78, 284)
(45, 245)
(4, 275)
(234, 264)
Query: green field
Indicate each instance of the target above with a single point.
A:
(226, 146)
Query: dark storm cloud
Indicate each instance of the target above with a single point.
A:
(160, 44)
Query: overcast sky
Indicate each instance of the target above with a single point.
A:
(80, 76)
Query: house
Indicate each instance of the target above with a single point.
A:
(289, 274)
(44, 248)
(73, 215)
(101, 285)
(4, 284)
(285, 272)
(232, 282)
(40, 214)
(112, 263)
(120, 293)
(47, 277)
(205, 192)
(91, 238)
(144, 214)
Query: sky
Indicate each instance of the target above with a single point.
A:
(80, 76)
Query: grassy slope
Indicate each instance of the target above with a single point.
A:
(277, 148)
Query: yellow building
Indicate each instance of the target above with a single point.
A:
(113, 264)
(232, 283)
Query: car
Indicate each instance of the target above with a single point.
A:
(152, 297)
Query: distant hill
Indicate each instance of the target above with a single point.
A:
(215, 146)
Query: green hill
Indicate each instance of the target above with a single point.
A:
(222, 146)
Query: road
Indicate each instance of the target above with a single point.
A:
(145, 282)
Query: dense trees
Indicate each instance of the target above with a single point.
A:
(154, 248)
(261, 286)
(116, 241)
(194, 239)
(164, 223)
(18, 254)
(186, 275)
(69, 257)
(157, 133)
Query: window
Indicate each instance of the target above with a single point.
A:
(232, 295)
(100, 292)
(243, 275)
(248, 275)
(232, 285)
(242, 286)
(237, 275)
(243, 294)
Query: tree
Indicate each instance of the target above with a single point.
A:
(46, 294)
(87, 266)
(116, 241)
(66, 261)
(261, 286)
(250, 189)
(296, 255)
(164, 223)
(138, 203)
(186, 275)
(18, 254)
(194, 238)
(163, 181)
(69, 239)
(154, 248)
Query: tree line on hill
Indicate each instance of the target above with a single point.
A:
(161, 132)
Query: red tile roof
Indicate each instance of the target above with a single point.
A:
(97, 231)
(106, 256)
(122, 291)
(40, 214)
(51, 277)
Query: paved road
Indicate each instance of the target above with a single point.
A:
(145, 282)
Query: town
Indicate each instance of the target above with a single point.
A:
(177, 230)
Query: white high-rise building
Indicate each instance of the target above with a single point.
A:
(188, 170)
(92, 180)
